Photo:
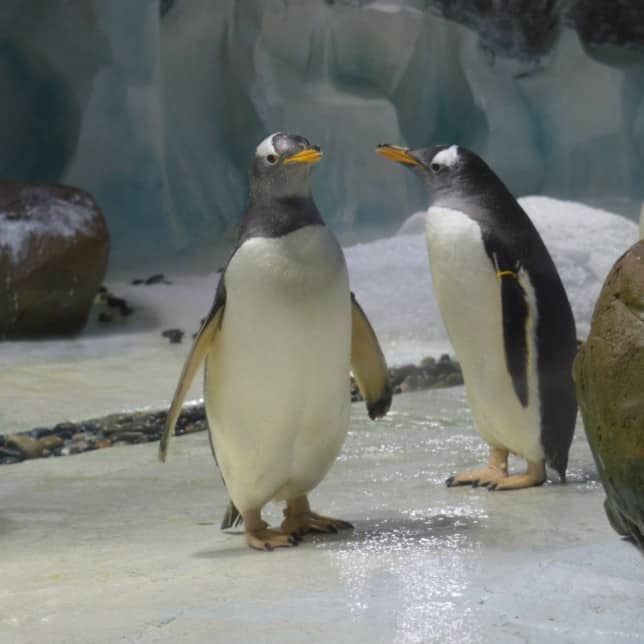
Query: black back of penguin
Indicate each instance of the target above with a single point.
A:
(511, 240)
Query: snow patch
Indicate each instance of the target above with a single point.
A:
(44, 215)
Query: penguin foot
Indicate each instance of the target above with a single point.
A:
(267, 539)
(302, 523)
(484, 477)
(519, 481)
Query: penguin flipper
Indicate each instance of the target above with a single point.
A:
(515, 319)
(196, 356)
(368, 363)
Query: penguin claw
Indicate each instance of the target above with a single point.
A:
(491, 487)
(449, 482)
(306, 522)
(267, 540)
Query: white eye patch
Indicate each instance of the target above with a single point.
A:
(447, 157)
(266, 147)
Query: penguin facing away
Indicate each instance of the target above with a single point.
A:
(280, 339)
(506, 313)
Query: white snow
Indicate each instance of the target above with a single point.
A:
(128, 365)
(53, 217)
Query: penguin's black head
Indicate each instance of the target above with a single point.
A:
(281, 166)
(449, 171)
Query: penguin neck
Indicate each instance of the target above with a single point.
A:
(271, 195)
(470, 205)
(274, 216)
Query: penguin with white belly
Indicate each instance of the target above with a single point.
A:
(280, 339)
(506, 313)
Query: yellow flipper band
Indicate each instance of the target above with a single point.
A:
(507, 274)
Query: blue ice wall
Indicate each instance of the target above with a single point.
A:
(156, 107)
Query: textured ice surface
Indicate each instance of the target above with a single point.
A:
(112, 546)
(129, 365)
(159, 116)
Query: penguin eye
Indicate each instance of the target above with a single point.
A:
(272, 159)
(436, 167)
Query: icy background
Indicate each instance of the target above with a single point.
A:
(155, 107)
(128, 365)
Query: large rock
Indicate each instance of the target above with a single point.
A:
(54, 247)
(609, 371)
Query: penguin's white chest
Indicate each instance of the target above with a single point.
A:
(277, 375)
(469, 297)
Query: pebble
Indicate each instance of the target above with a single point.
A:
(157, 278)
(174, 335)
(50, 442)
(9, 456)
(26, 445)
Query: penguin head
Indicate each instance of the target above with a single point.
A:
(449, 171)
(282, 165)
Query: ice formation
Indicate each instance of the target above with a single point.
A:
(156, 108)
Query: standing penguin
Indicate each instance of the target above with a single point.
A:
(279, 341)
(506, 313)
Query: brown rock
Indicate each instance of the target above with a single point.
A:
(609, 371)
(27, 446)
(50, 442)
(428, 363)
(54, 246)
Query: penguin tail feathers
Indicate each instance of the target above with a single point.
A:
(232, 518)
(559, 467)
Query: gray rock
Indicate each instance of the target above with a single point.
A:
(609, 373)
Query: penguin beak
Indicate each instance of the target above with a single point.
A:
(396, 153)
(310, 155)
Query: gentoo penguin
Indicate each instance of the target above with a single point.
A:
(279, 342)
(506, 314)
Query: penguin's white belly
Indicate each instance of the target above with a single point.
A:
(469, 297)
(276, 391)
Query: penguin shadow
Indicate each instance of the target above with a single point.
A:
(373, 534)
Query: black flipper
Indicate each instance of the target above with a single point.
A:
(515, 318)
